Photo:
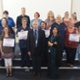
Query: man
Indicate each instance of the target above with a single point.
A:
(19, 18)
(36, 39)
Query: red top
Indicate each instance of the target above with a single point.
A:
(68, 43)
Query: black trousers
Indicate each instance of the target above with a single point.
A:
(36, 60)
(25, 59)
(70, 52)
(59, 55)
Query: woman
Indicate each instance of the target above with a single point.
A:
(23, 43)
(47, 34)
(6, 51)
(36, 17)
(70, 46)
(4, 23)
(53, 44)
(74, 20)
(61, 26)
(66, 18)
(50, 19)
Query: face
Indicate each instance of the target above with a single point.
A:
(23, 11)
(73, 16)
(66, 14)
(24, 22)
(6, 30)
(43, 25)
(71, 24)
(54, 31)
(58, 19)
(5, 15)
(36, 16)
(51, 15)
(3, 22)
(35, 25)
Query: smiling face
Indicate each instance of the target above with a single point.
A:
(23, 11)
(36, 16)
(4, 22)
(54, 31)
(66, 14)
(58, 19)
(35, 24)
(6, 30)
(43, 25)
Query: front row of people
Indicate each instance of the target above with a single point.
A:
(33, 46)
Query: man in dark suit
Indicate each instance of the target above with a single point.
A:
(19, 18)
(36, 40)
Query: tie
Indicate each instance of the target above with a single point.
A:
(36, 37)
(36, 34)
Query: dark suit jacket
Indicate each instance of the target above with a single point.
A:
(31, 42)
(19, 20)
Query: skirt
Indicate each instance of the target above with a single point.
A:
(8, 55)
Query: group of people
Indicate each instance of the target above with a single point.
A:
(44, 43)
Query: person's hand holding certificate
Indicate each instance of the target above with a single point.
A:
(74, 37)
(22, 35)
(8, 42)
(47, 33)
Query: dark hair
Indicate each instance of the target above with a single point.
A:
(43, 22)
(9, 32)
(6, 12)
(5, 20)
(51, 33)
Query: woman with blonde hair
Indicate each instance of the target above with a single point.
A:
(50, 18)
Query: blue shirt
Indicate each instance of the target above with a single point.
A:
(22, 43)
(10, 22)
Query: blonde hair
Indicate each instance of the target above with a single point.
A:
(50, 13)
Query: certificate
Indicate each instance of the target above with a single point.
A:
(74, 37)
(22, 35)
(8, 42)
(47, 33)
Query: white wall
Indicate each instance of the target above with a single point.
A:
(42, 6)
(1, 9)
(76, 7)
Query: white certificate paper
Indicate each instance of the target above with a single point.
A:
(8, 42)
(22, 35)
(47, 33)
(74, 37)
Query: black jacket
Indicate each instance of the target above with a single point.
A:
(40, 44)
(19, 20)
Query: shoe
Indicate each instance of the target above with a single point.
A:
(7, 75)
(34, 74)
(38, 74)
(70, 65)
(11, 75)
(22, 65)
